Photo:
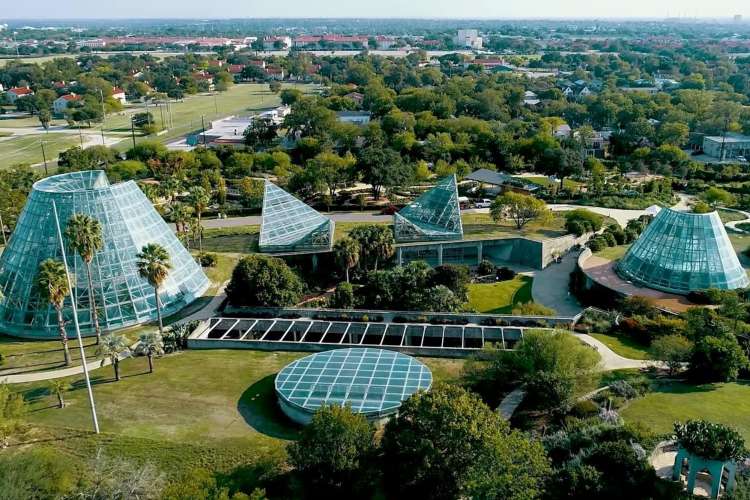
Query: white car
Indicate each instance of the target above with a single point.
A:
(483, 203)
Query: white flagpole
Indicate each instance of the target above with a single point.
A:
(75, 320)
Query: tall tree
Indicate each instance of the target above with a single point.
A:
(347, 254)
(520, 208)
(52, 284)
(200, 199)
(84, 235)
(154, 265)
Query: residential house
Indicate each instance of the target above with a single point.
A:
(530, 98)
(356, 97)
(275, 72)
(562, 131)
(60, 105)
(597, 145)
(385, 42)
(14, 93)
(118, 94)
(733, 146)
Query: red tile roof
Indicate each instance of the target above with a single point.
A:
(21, 90)
(117, 90)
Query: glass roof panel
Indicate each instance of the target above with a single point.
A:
(435, 215)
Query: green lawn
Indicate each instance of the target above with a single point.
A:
(613, 253)
(724, 403)
(500, 298)
(213, 408)
(241, 99)
(27, 149)
(623, 346)
(242, 239)
(23, 355)
(480, 226)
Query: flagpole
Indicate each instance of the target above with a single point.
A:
(75, 320)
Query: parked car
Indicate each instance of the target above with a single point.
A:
(483, 203)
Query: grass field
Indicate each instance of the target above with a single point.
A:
(729, 215)
(27, 149)
(482, 226)
(613, 253)
(500, 298)
(723, 403)
(623, 346)
(214, 408)
(242, 239)
(241, 99)
(21, 356)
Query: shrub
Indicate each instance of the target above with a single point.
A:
(710, 440)
(585, 409)
(596, 244)
(505, 273)
(575, 227)
(260, 280)
(623, 389)
(630, 236)
(485, 268)
(533, 309)
(673, 350)
(590, 220)
(717, 359)
(619, 235)
(206, 259)
(343, 296)
(550, 391)
(609, 238)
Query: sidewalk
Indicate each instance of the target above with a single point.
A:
(22, 378)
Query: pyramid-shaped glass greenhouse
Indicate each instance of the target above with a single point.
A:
(123, 298)
(290, 226)
(434, 216)
(681, 252)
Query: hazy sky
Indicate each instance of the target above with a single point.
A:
(372, 8)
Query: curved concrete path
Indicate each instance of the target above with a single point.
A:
(610, 359)
(733, 224)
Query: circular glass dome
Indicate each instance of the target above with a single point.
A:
(373, 382)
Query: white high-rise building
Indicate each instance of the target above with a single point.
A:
(469, 39)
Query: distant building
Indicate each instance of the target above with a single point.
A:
(118, 94)
(356, 117)
(647, 90)
(384, 42)
(468, 39)
(60, 105)
(501, 182)
(227, 131)
(14, 93)
(277, 42)
(530, 98)
(734, 145)
(562, 131)
(356, 97)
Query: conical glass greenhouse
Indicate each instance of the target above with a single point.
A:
(681, 252)
(434, 216)
(123, 298)
(289, 225)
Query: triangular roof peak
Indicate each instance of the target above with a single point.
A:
(290, 225)
(435, 215)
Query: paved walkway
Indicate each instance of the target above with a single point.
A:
(611, 360)
(550, 286)
(21, 378)
(510, 402)
(733, 225)
(210, 310)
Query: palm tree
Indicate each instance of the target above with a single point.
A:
(200, 200)
(58, 386)
(154, 265)
(153, 345)
(181, 217)
(84, 235)
(347, 254)
(52, 283)
(113, 346)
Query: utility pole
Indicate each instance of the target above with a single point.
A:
(203, 127)
(161, 112)
(44, 156)
(80, 135)
(216, 105)
(132, 130)
(104, 116)
(75, 320)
